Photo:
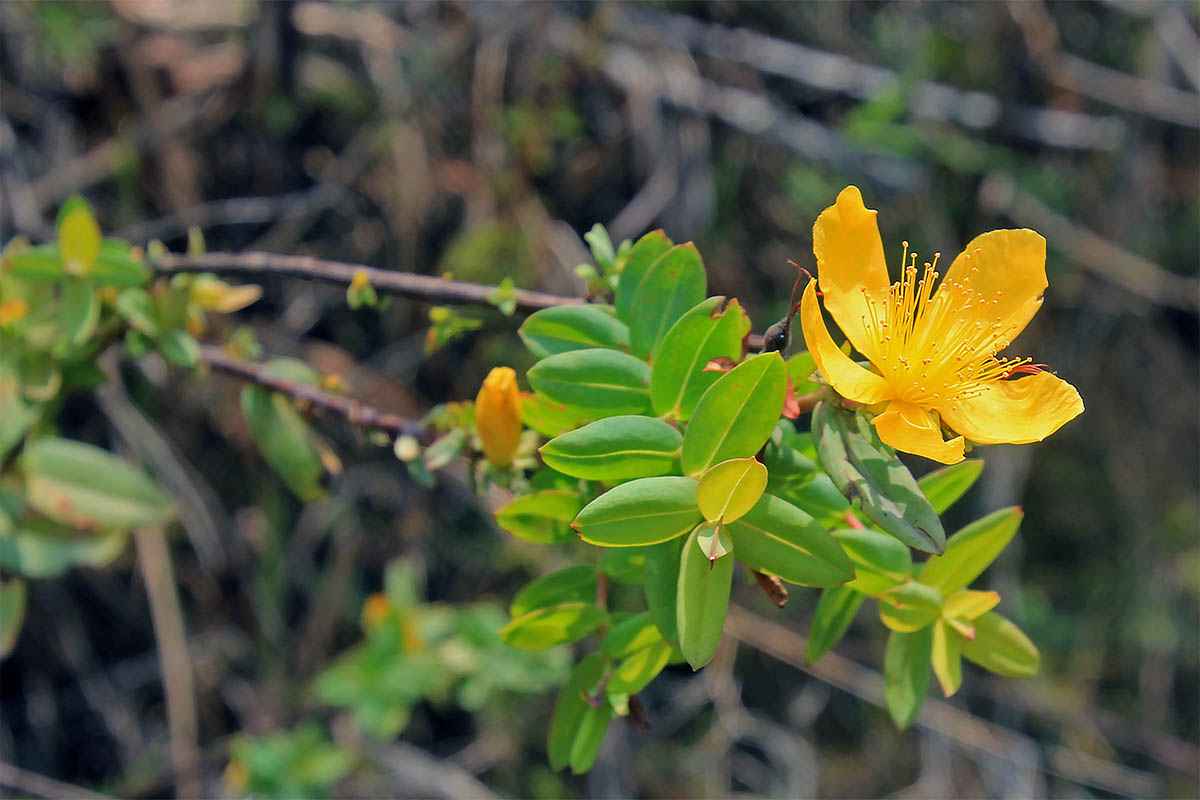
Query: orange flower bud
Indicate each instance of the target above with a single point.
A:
(498, 416)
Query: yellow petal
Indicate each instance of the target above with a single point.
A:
(1004, 275)
(850, 259)
(1015, 411)
(910, 428)
(843, 374)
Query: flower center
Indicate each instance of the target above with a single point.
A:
(938, 346)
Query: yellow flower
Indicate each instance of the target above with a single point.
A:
(934, 353)
(498, 416)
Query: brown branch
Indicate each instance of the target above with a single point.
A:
(406, 284)
(40, 785)
(355, 411)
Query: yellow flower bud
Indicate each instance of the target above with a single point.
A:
(12, 311)
(498, 416)
(376, 609)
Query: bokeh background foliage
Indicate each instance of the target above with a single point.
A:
(483, 140)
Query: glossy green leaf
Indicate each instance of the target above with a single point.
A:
(971, 550)
(644, 253)
(787, 467)
(714, 540)
(573, 584)
(550, 418)
(702, 603)
(285, 441)
(946, 657)
(616, 448)
(541, 517)
(86, 487)
(865, 471)
(779, 539)
(906, 673)
(573, 740)
(624, 564)
(546, 627)
(631, 635)
(880, 561)
(43, 263)
(673, 284)
(835, 611)
(729, 489)
(80, 307)
(636, 671)
(78, 238)
(644, 511)
(820, 498)
(603, 383)
(1000, 646)
(943, 487)
(12, 613)
(737, 414)
(910, 606)
(561, 329)
(704, 333)
(662, 585)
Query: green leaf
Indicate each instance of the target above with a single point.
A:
(777, 538)
(631, 635)
(702, 603)
(944, 486)
(678, 379)
(644, 511)
(285, 441)
(43, 263)
(820, 498)
(80, 307)
(573, 584)
(787, 467)
(946, 657)
(714, 540)
(572, 739)
(970, 551)
(636, 671)
(862, 470)
(561, 329)
(833, 616)
(116, 266)
(968, 605)
(729, 489)
(180, 348)
(601, 246)
(546, 627)
(86, 487)
(39, 549)
(910, 606)
(78, 237)
(135, 307)
(662, 585)
(880, 561)
(604, 383)
(624, 564)
(640, 258)
(17, 414)
(550, 418)
(672, 285)
(541, 517)
(12, 614)
(736, 415)
(616, 448)
(1000, 646)
(906, 673)
(800, 367)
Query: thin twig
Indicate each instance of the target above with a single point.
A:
(154, 560)
(406, 284)
(39, 785)
(356, 412)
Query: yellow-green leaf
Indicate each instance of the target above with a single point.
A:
(702, 603)
(910, 606)
(1000, 646)
(546, 627)
(729, 489)
(946, 657)
(971, 550)
(969, 604)
(79, 239)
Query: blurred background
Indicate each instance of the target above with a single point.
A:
(483, 139)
